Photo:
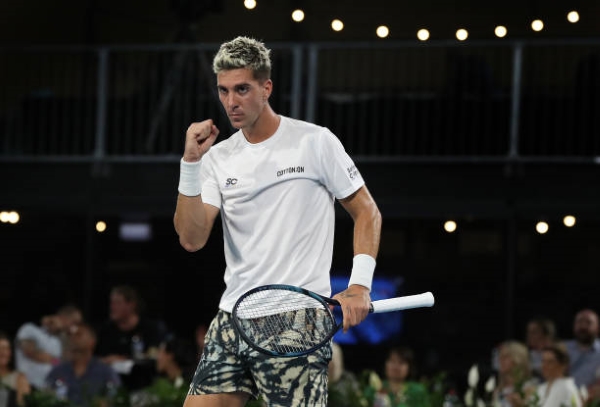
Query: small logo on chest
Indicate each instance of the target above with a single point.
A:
(229, 182)
(290, 170)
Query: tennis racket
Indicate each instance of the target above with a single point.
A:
(284, 320)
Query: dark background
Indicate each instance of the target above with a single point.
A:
(489, 277)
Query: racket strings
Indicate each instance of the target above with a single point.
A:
(284, 322)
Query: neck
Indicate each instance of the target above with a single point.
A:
(264, 127)
(173, 372)
(396, 385)
(506, 379)
(128, 323)
(80, 363)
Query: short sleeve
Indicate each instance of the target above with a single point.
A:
(28, 331)
(209, 184)
(338, 171)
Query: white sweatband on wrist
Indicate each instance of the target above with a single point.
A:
(189, 178)
(363, 267)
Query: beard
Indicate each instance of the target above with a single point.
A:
(585, 337)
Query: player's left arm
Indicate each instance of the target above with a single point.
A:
(356, 299)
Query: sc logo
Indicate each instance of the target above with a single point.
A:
(230, 181)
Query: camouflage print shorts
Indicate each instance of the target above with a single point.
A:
(229, 365)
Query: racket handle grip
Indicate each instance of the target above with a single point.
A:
(401, 303)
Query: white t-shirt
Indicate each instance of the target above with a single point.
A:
(277, 205)
(35, 371)
(562, 393)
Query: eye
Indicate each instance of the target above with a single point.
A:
(222, 90)
(243, 89)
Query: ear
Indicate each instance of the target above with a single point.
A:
(267, 89)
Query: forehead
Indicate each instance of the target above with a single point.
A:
(585, 317)
(396, 357)
(234, 77)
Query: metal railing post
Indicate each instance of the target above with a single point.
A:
(296, 88)
(311, 87)
(515, 107)
(101, 101)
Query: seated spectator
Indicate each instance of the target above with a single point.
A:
(174, 360)
(399, 384)
(12, 380)
(540, 333)
(39, 347)
(559, 389)
(343, 385)
(82, 380)
(200, 338)
(515, 383)
(129, 340)
(584, 348)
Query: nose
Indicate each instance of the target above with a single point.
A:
(230, 101)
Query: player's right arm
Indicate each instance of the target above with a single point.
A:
(194, 219)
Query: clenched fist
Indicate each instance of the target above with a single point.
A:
(199, 137)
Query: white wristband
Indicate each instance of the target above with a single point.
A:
(189, 178)
(363, 267)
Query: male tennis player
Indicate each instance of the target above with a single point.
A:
(274, 182)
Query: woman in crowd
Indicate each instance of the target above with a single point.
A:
(515, 382)
(10, 378)
(399, 385)
(559, 389)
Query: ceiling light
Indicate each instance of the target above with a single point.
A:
(423, 34)
(462, 34)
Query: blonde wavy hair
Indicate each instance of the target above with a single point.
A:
(519, 355)
(244, 52)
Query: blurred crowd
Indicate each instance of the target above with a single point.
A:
(128, 360)
(131, 360)
(541, 370)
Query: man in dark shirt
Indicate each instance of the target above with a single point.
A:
(83, 379)
(128, 341)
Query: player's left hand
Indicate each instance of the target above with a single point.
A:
(355, 302)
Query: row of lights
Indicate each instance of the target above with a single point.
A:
(11, 217)
(450, 226)
(541, 227)
(423, 34)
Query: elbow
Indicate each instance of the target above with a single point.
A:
(188, 243)
(191, 246)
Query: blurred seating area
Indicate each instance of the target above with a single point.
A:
(393, 101)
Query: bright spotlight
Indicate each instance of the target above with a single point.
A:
(298, 15)
(337, 25)
(537, 25)
(573, 16)
(569, 221)
(4, 217)
(13, 217)
(449, 226)
(250, 4)
(500, 31)
(382, 31)
(423, 34)
(100, 226)
(542, 227)
(462, 34)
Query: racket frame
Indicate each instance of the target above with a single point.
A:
(325, 301)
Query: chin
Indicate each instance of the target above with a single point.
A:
(236, 124)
